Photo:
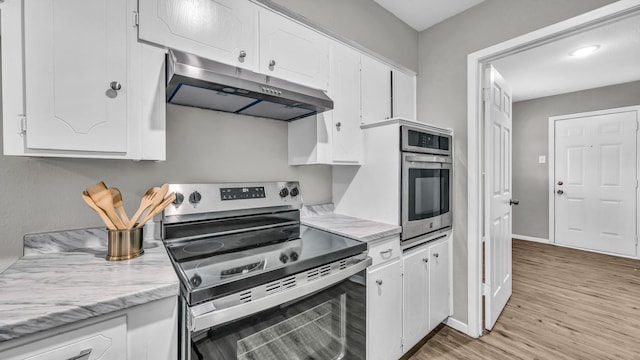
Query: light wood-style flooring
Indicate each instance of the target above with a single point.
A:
(566, 304)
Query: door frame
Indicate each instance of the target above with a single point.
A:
(475, 145)
(552, 161)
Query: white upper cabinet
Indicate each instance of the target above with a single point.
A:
(87, 88)
(376, 90)
(293, 52)
(75, 74)
(404, 95)
(332, 137)
(221, 30)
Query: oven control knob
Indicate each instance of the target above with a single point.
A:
(294, 256)
(284, 258)
(284, 192)
(179, 199)
(294, 192)
(195, 197)
(196, 280)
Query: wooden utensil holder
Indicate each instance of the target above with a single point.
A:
(124, 244)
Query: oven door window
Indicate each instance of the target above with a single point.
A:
(428, 193)
(326, 325)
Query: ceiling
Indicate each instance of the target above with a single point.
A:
(421, 14)
(549, 70)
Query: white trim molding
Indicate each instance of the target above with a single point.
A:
(475, 63)
(457, 324)
(530, 238)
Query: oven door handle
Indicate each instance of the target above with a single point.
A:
(429, 159)
(199, 320)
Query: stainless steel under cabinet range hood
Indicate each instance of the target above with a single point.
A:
(199, 82)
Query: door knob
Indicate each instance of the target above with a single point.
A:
(514, 202)
(560, 182)
(115, 85)
(560, 192)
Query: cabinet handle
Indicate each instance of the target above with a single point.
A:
(243, 54)
(84, 355)
(388, 251)
(272, 64)
(425, 260)
(436, 255)
(379, 282)
(338, 125)
(115, 85)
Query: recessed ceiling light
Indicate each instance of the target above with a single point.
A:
(587, 50)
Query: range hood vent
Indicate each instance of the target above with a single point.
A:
(199, 82)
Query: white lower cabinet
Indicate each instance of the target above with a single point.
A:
(384, 311)
(426, 290)
(143, 332)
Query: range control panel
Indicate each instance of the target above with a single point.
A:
(211, 198)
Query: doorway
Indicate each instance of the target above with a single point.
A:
(476, 141)
(593, 180)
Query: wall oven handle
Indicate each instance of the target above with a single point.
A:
(429, 159)
(199, 320)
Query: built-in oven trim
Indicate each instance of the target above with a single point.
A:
(413, 228)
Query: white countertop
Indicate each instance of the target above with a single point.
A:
(64, 278)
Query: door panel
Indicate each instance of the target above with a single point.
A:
(416, 296)
(498, 212)
(439, 284)
(70, 62)
(344, 89)
(384, 307)
(595, 207)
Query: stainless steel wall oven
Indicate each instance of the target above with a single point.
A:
(255, 284)
(426, 182)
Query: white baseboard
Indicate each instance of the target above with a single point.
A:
(458, 325)
(530, 238)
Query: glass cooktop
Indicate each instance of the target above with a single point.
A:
(217, 266)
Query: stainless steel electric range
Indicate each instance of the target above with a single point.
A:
(255, 283)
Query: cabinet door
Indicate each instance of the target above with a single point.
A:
(415, 282)
(439, 286)
(384, 312)
(344, 90)
(221, 30)
(404, 95)
(376, 90)
(74, 51)
(292, 51)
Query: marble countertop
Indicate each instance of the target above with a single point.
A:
(322, 217)
(64, 278)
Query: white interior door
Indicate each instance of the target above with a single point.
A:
(595, 181)
(497, 246)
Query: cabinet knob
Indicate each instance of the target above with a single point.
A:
(243, 54)
(338, 125)
(425, 260)
(379, 282)
(84, 355)
(436, 255)
(560, 192)
(272, 64)
(115, 85)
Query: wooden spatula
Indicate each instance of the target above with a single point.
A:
(118, 204)
(156, 210)
(101, 196)
(100, 212)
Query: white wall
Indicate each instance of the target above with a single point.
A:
(442, 88)
(530, 139)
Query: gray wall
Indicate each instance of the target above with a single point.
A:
(442, 88)
(41, 194)
(364, 22)
(530, 139)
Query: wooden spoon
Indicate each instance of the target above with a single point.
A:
(100, 212)
(117, 202)
(151, 199)
(154, 211)
(101, 196)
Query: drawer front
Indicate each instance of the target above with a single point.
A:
(385, 250)
(106, 340)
